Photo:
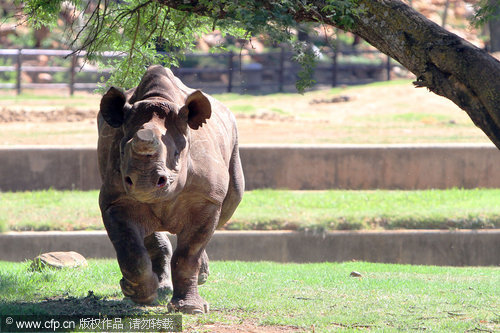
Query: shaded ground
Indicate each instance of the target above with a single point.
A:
(92, 305)
(394, 112)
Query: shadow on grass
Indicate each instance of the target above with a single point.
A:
(89, 305)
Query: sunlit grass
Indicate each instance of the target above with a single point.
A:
(280, 209)
(323, 296)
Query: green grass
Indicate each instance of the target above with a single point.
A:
(246, 109)
(411, 117)
(295, 296)
(279, 209)
(50, 210)
(418, 117)
(333, 210)
(227, 97)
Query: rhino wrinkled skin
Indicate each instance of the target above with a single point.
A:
(169, 161)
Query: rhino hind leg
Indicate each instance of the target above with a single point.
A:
(204, 270)
(160, 252)
(235, 190)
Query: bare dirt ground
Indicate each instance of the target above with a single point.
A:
(241, 326)
(388, 113)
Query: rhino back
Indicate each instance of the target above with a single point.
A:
(161, 82)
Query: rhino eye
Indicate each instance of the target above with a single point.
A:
(176, 154)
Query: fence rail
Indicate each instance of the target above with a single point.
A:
(223, 72)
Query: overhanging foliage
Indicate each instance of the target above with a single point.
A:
(141, 28)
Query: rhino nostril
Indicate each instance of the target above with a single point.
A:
(162, 181)
(128, 180)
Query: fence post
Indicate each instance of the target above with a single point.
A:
(281, 74)
(388, 68)
(230, 71)
(72, 75)
(18, 73)
(334, 68)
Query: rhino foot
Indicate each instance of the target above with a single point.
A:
(141, 293)
(191, 306)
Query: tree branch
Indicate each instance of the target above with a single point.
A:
(443, 62)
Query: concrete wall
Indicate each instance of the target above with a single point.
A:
(371, 166)
(35, 168)
(298, 167)
(419, 247)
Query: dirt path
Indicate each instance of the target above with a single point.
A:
(395, 113)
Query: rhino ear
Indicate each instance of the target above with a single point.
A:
(112, 104)
(197, 110)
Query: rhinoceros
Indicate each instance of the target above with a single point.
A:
(169, 161)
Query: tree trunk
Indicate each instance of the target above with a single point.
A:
(494, 25)
(443, 62)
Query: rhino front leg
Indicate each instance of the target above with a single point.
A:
(160, 252)
(186, 264)
(139, 282)
(188, 258)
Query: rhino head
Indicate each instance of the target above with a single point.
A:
(155, 142)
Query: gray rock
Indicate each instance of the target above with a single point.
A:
(59, 260)
(355, 274)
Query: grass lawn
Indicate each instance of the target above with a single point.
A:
(277, 209)
(292, 297)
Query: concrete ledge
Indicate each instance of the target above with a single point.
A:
(419, 247)
(27, 168)
(356, 167)
(296, 167)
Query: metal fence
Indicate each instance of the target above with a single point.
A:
(213, 72)
(25, 64)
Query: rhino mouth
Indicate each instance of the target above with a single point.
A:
(162, 182)
(149, 197)
(148, 188)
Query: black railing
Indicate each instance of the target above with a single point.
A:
(214, 72)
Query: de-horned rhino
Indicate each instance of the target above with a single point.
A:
(169, 161)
